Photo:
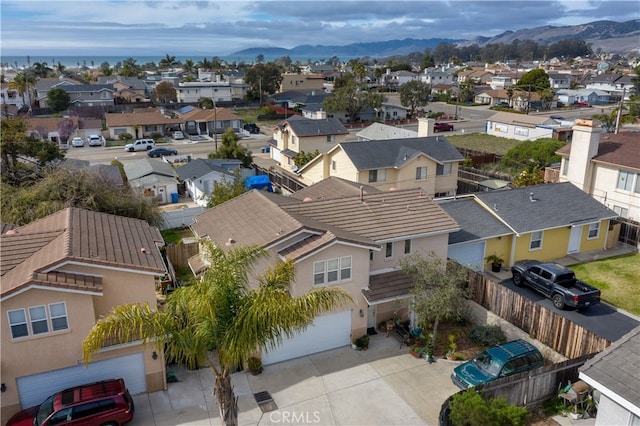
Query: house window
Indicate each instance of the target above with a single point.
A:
(294, 140)
(421, 173)
(331, 138)
(407, 246)
(332, 270)
(621, 211)
(594, 230)
(379, 175)
(345, 268)
(58, 312)
(443, 169)
(625, 180)
(38, 318)
(388, 250)
(637, 188)
(536, 241)
(565, 167)
(18, 323)
(318, 272)
(333, 165)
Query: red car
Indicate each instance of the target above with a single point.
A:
(101, 403)
(582, 103)
(442, 127)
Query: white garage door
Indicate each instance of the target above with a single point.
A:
(469, 255)
(327, 332)
(36, 388)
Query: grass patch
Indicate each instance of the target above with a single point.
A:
(175, 235)
(250, 115)
(617, 278)
(482, 142)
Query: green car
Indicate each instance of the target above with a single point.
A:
(503, 360)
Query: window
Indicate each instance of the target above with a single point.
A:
(625, 180)
(294, 140)
(332, 270)
(318, 272)
(637, 188)
(345, 268)
(18, 323)
(388, 250)
(536, 241)
(421, 173)
(38, 317)
(443, 169)
(379, 175)
(621, 211)
(594, 230)
(58, 312)
(333, 165)
(407, 246)
(331, 138)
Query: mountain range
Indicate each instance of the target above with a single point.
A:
(610, 36)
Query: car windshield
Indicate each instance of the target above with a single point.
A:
(44, 411)
(487, 364)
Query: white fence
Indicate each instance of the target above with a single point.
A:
(180, 217)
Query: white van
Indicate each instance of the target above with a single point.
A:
(140, 145)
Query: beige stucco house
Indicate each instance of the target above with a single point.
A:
(140, 123)
(60, 274)
(354, 241)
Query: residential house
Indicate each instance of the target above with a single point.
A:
(193, 92)
(60, 275)
(519, 126)
(140, 123)
(99, 95)
(210, 122)
(48, 128)
(153, 178)
(43, 85)
(295, 81)
(605, 166)
(592, 97)
(354, 242)
(542, 222)
(492, 97)
(559, 81)
(393, 80)
(613, 84)
(428, 163)
(333, 187)
(200, 175)
(475, 76)
(11, 99)
(503, 81)
(380, 131)
(127, 89)
(614, 373)
(298, 134)
(435, 76)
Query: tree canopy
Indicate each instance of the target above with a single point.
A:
(263, 78)
(227, 189)
(353, 98)
(58, 99)
(165, 92)
(414, 94)
(230, 148)
(536, 80)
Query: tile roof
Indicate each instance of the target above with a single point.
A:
(555, 205)
(622, 149)
(388, 286)
(81, 236)
(139, 117)
(476, 223)
(219, 114)
(332, 187)
(48, 123)
(397, 152)
(617, 368)
(304, 127)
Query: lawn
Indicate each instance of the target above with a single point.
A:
(482, 142)
(617, 278)
(175, 235)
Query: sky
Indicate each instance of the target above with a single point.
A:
(219, 28)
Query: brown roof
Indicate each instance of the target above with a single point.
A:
(622, 149)
(139, 117)
(519, 119)
(332, 187)
(388, 286)
(219, 114)
(77, 235)
(49, 123)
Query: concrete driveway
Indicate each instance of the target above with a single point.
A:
(381, 386)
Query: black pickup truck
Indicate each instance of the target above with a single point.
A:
(556, 282)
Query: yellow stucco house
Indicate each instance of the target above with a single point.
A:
(60, 274)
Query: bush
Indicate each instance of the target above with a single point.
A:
(254, 364)
(156, 135)
(487, 335)
(470, 409)
(125, 136)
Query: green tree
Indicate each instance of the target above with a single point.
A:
(129, 68)
(303, 158)
(531, 175)
(535, 80)
(470, 409)
(21, 82)
(165, 92)
(230, 148)
(414, 94)
(440, 292)
(189, 66)
(58, 99)
(206, 103)
(263, 78)
(541, 152)
(609, 121)
(167, 62)
(353, 99)
(105, 69)
(222, 310)
(227, 189)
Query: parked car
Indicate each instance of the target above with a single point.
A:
(503, 104)
(442, 127)
(100, 403)
(140, 145)
(178, 135)
(94, 140)
(252, 128)
(582, 103)
(503, 360)
(77, 142)
(159, 152)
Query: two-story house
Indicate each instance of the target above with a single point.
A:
(299, 134)
(434, 76)
(428, 163)
(192, 92)
(354, 242)
(296, 81)
(60, 275)
(605, 166)
(559, 81)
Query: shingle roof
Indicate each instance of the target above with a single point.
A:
(520, 119)
(219, 114)
(397, 152)
(388, 286)
(87, 87)
(153, 117)
(304, 127)
(148, 166)
(555, 205)
(617, 368)
(622, 149)
(200, 167)
(332, 187)
(378, 131)
(81, 236)
(476, 223)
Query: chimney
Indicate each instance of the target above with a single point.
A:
(424, 127)
(584, 146)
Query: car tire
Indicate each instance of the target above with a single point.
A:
(558, 301)
(517, 279)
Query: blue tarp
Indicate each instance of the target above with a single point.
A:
(258, 182)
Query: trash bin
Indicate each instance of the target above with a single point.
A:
(174, 197)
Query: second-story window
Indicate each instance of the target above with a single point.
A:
(625, 180)
(378, 175)
(407, 246)
(388, 250)
(421, 173)
(331, 138)
(443, 169)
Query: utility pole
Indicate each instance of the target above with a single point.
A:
(215, 122)
(619, 116)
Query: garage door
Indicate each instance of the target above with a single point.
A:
(470, 255)
(327, 332)
(36, 388)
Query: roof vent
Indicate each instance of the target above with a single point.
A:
(143, 250)
(230, 241)
(307, 199)
(11, 232)
(405, 157)
(531, 198)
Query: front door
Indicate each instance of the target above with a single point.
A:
(574, 239)
(371, 316)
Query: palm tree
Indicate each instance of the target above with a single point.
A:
(20, 83)
(189, 66)
(220, 311)
(167, 62)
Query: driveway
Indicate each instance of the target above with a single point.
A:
(381, 386)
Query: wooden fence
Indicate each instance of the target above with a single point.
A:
(557, 332)
(179, 254)
(629, 232)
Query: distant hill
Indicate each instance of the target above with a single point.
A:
(610, 36)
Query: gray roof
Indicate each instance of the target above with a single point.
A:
(200, 167)
(378, 131)
(476, 223)
(303, 126)
(147, 166)
(332, 187)
(132, 82)
(617, 369)
(87, 87)
(397, 152)
(554, 205)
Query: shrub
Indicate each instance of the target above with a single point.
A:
(487, 335)
(155, 136)
(125, 136)
(254, 364)
(470, 409)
